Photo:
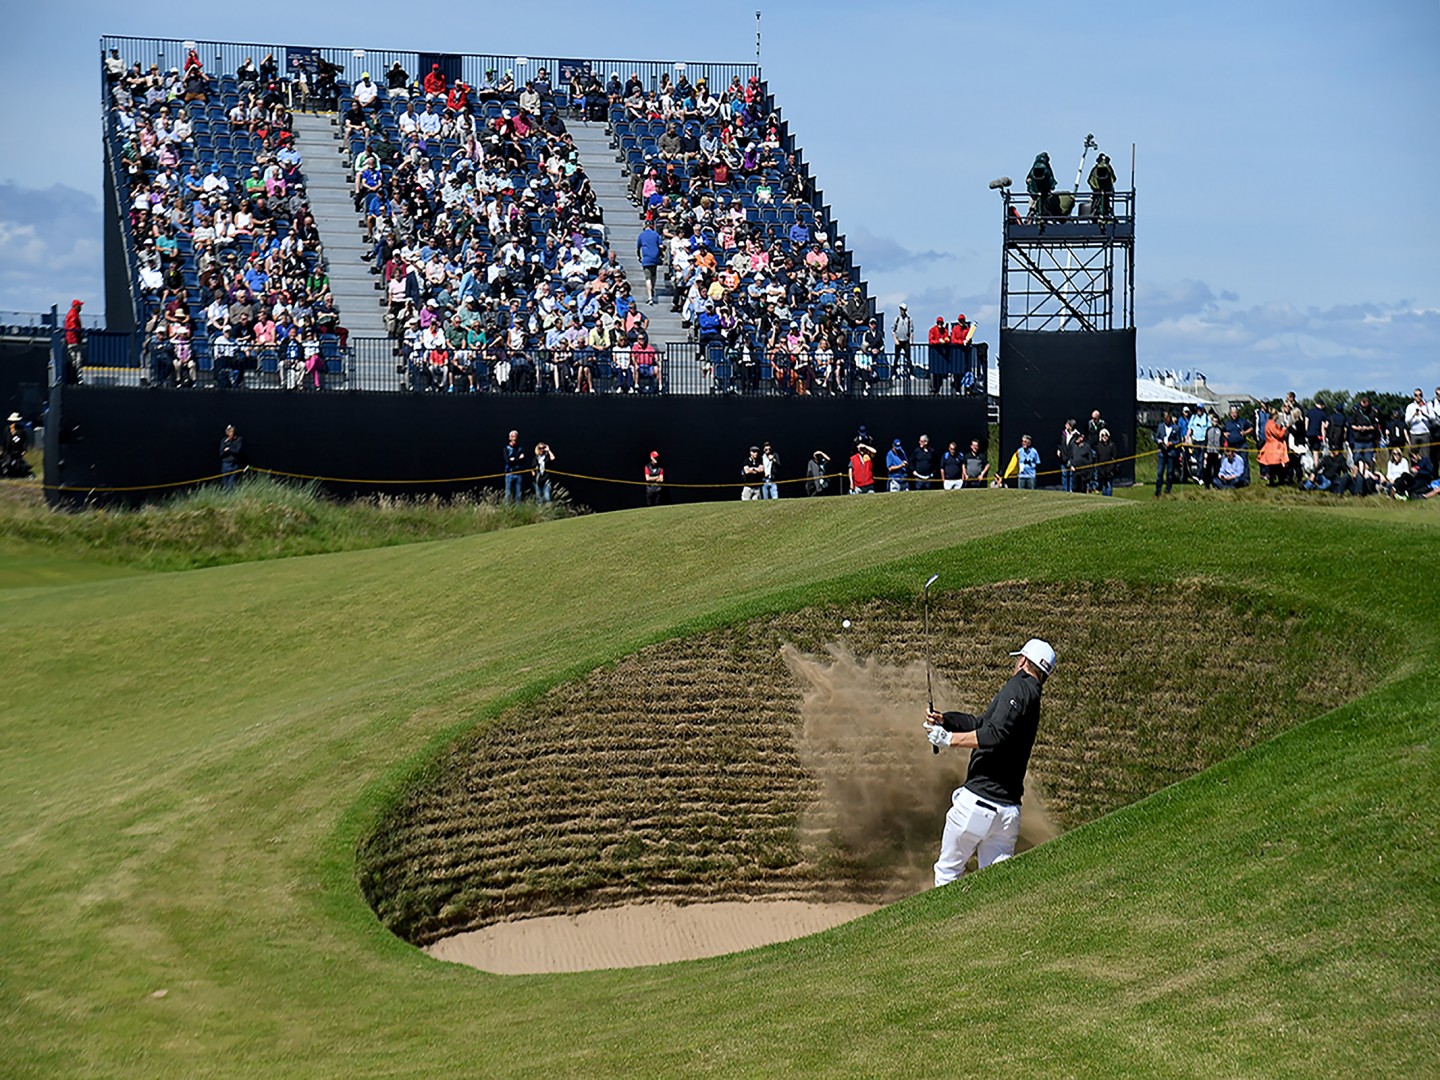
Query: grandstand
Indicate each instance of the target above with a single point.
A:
(468, 222)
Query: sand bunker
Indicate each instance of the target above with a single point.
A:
(638, 934)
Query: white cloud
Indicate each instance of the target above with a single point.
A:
(50, 248)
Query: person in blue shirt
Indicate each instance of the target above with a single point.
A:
(897, 466)
(647, 249)
(1027, 460)
(1237, 434)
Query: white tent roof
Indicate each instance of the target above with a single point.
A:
(1153, 392)
(1147, 391)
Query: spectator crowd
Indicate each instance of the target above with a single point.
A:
(1358, 449)
(229, 265)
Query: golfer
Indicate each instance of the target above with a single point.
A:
(985, 813)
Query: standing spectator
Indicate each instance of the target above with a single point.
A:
(1275, 454)
(771, 461)
(753, 473)
(1197, 435)
(648, 246)
(515, 466)
(1082, 460)
(1417, 413)
(12, 454)
(1167, 440)
(962, 332)
(1105, 464)
(75, 345)
(977, 465)
(543, 457)
(1097, 425)
(1027, 460)
(939, 353)
(1337, 429)
(1364, 431)
(1434, 437)
(816, 482)
(1214, 437)
(862, 469)
(952, 468)
(903, 331)
(897, 466)
(1063, 452)
(1315, 420)
(922, 465)
(654, 479)
(232, 452)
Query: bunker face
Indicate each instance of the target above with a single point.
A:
(760, 763)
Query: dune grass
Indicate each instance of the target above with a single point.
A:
(262, 518)
(192, 759)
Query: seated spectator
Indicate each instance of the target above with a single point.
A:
(397, 82)
(1231, 473)
(366, 94)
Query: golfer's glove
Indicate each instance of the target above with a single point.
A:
(938, 736)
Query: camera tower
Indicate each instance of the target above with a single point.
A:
(1067, 316)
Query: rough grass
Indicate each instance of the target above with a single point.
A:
(192, 759)
(263, 518)
(689, 786)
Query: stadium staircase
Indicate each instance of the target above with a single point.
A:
(332, 204)
(622, 222)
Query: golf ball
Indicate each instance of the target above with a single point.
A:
(845, 625)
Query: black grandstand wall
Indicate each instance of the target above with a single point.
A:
(104, 438)
(1048, 377)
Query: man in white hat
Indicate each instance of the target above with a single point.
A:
(985, 813)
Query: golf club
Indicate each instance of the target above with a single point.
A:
(929, 680)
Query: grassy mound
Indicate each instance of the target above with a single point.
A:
(674, 773)
(262, 518)
(180, 812)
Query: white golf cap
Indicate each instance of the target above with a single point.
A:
(1038, 653)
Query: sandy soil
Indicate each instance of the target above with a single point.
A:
(639, 934)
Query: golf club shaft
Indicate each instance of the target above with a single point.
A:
(929, 680)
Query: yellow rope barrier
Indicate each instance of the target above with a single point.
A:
(557, 473)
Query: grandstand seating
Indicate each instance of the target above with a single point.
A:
(136, 145)
(781, 282)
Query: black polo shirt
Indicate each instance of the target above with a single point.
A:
(1006, 734)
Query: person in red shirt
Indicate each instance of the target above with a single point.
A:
(435, 82)
(939, 353)
(74, 343)
(862, 470)
(961, 331)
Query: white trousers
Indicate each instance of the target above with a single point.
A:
(952, 485)
(971, 823)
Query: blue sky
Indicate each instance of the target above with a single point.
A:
(1286, 153)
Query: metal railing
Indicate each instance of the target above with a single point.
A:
(382, 365)
(225, 57)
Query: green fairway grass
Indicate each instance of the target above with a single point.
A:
(192, 759)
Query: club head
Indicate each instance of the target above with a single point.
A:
(933, 578)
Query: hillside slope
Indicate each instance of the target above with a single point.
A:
(192, 759)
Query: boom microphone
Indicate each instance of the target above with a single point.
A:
(1003, 182)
